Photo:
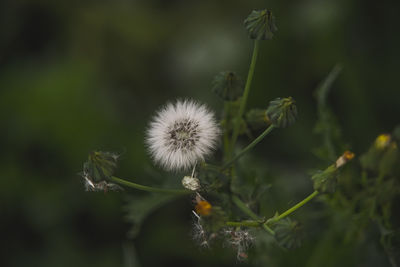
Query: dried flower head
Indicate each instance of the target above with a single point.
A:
(343, 159)
(182, 133)
(191, 183)
(239, 239)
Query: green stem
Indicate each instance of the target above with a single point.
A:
(227, 126)
(245, 95)
(250, 146)
(244, 223)
(294, 208)
(243, 207)
(149, 188)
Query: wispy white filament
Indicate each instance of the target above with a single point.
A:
(181, 134)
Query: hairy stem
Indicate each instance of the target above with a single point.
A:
(243, 207)
(245, 95)
(250, 146)
(292, 209)
(149, 188)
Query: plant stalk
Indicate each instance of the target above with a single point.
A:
(243, 207)
(250, 146)
(149, 188)
(292, 209)
(245, 95)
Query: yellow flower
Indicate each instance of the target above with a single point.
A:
(203, 208)
(382, 141)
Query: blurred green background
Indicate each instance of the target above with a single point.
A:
(77, 76)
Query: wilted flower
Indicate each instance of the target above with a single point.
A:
(98, 169)
(191, 183)
(203, 207)
(241, 240)
(343, 159)
(182, 133)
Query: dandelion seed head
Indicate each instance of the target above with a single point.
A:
(181, 134)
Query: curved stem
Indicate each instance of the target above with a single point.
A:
(250, 146)
(149, 188)
(245, 95)
(294, 208)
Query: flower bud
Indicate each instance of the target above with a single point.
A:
(382, 141)
(260, 25)
(228, 86)
(380, 154)
(346, 157)
(191, 183)
(325, 181)
(282, 112)
(288, 233)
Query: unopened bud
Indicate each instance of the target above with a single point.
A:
(282, 112)
(228, 86)
(260, 25)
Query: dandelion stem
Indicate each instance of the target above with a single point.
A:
(250, 146)
(149, 188)
(292, 209)
(243, 207)
(245, 95)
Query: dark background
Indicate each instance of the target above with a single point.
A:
(76, 76)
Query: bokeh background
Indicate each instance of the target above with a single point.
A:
(77, 76)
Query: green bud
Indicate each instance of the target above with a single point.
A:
(100, 166)
(228, 86)
(326, 181)
(288, 233)
(282, 112)
(260, 25)
(257, 119)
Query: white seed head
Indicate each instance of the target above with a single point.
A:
(181, 134)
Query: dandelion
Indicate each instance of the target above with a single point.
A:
(181, 134)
